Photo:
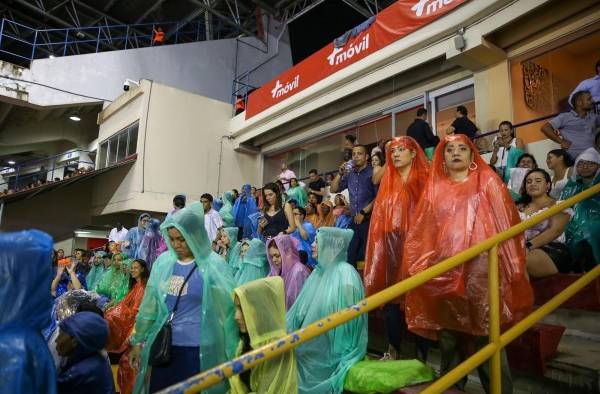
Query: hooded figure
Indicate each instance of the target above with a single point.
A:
(26, 365)
(81, 339)
(275, 376)
(115, 282)
(391, 217)
(584, 226)
(244, 206)
(291, 270)
(333, 285)
(150, 245)
(135, 236)
(218, 331)
(297, 193)
(226, 210)
(96, 272)
(451, 217)
(253, 264)
(233, 246)
(326, 219)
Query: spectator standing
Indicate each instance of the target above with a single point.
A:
(135, 235)
(362, 194)
(591, 85)
(118, 233)
(317, 185)
(462, 124)
(158, 37)
(349, 142)
(178, 203)
(212, 220)
(421, 132)
(277, 215)
(286, 175)
(574, 130)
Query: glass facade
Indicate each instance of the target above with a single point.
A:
(118, 147)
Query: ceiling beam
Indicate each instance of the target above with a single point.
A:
(358, 8)
(151, 9)
(224, 18)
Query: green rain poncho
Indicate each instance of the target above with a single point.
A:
(219, 332)
(299, 194)
(263, 305)
(233, 252)
(96, 272)
(334, 284)
(114, 279)
(226, 210)
(584, 226)
(254, 265)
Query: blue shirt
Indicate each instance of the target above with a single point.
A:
(360, 188)
(580, 131)
(592, 85)
(306, 244)
(186, 323)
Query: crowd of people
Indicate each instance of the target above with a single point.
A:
(40, 178)
(169, 298)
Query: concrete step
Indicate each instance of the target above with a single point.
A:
(585, 324)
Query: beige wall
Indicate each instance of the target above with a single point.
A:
(493, 102)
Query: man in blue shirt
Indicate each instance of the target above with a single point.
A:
(591, 85)
(362, 194)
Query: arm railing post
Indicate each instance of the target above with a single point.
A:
(494, 301)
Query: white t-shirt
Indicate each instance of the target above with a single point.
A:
(212, 222)
(285, 177)
(116, 235)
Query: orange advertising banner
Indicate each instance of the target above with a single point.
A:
(395, 22)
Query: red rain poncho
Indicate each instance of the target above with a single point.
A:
(392, 213)
(451, 217)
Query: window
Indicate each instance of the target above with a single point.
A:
(118, 147)
(444, 102)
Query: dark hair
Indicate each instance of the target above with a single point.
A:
(207, 196)
(596, 137)
(294, 179)
(275, 189)
(350, 138)
(313, 206)
(89, 306)
(179, 201)
(567, 159)
(380, 157)
(280, 185)
(301, 210)
(144, 275)
(462, 109)
(526, 198)
(421, 112)
(303, 255)
(527, 155)
(577, 96)
(341, 197)
(235, 191)
(361, 146)
(597, 67)
(510, 125)
(313, 171)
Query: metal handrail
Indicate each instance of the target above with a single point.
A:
(288, 342)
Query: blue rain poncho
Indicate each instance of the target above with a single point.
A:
(334, 285)
(26, 365)
(149, 247)
(226, 210)
(219, 334)
(254, 264)
(584, 225)
(306, 244)
(245, 206)
(134, 237)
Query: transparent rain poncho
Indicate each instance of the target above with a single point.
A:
(391, 217)
(96, 272)
(291, 270)
(233, 248)
(26, 365)
(219, 332)
(450, 218)
(115, 282)
(134, 237)
(254, 264)
(244, 207)
(334, 285)
(226, 210)
(263, 305)
(299, 194)
(584, 226)
(150, 245)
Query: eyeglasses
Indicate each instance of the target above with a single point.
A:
(585, 163)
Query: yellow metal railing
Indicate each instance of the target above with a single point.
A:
(491, 351)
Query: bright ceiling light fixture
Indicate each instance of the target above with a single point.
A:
(11, 162)
(75, 117)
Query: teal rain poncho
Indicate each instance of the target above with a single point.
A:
(299, 194)
(112, 281)
(96, 272)
(254, 265)
(584, 226)
(334, 284)
(226, 210)
(233, 248)
(219, 332)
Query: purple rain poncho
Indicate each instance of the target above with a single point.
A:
(291, 270)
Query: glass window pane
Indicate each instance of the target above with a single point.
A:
(102, 154)
(133, 136)
(122, 149)
(112, 150)
(404, 119)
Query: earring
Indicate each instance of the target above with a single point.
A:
(473, 166)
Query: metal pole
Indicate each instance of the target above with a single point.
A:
(34, 44)
(98, 40)
(66, 40)
(494, 300)
(1, 31)
(1, 212)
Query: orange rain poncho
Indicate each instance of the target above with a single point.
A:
(391, 216)
(451, 217)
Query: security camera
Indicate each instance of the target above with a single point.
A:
(128, 83)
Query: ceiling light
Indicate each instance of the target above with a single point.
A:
(11, 162)
(51, 56)
(75, 117)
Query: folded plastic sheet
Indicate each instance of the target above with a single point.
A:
(452, 217)
(26, 365)
(376, 376)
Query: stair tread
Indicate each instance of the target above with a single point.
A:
(578, 352)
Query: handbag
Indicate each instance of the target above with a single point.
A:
(160, 352)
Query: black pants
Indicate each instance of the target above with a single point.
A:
(452, 349)
(185, 363)
(395, 323)
(358, 245)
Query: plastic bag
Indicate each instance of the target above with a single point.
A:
(376, 376)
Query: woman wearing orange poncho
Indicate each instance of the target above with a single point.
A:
(121, 319)
(406, 170)
(464, 203)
